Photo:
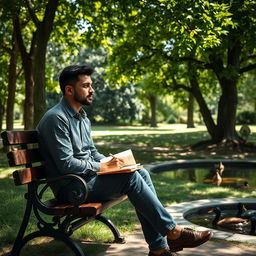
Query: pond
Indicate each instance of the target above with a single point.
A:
(233, 176)
(204, 217)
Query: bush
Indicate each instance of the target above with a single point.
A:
(246, 117)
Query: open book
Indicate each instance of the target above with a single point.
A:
(130, 164)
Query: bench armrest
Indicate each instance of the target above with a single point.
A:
(73, 197)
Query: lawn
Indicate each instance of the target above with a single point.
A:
(167, 142)
(149, 145)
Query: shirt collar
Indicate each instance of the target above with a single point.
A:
(71, 111)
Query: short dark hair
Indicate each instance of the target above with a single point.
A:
(70, 75)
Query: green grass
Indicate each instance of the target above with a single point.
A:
(149, 145)
(158, 144)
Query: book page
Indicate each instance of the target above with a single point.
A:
(126, 155)
(130, 164)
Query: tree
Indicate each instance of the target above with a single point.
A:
(112, 105)
(154, 36)
(3, 87)
(34, 25)
(149, 89)
(33, 60)
(31, 26)
(8, 44)
(246, 89)
(190, 112)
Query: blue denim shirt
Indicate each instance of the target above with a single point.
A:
(66, 143)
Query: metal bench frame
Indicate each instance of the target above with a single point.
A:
(66, 218)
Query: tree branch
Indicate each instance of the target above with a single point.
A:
(20, 42)
(5, 48)
(248, 68)
(19, 72)
(176, 86)
(31, 11)
(253, 56)
(200, 64)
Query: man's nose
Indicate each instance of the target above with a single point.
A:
(91, 89)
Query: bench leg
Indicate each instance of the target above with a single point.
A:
(58, 235)
(118, 238)
(23, 226)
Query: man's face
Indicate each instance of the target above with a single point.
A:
(83, 91)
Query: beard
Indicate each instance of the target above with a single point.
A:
(83, 101)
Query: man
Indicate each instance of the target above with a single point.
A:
(67, 147)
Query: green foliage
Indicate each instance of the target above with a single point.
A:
(3, 75)
(169, 114)
(145, 32)
(52, 98)
(111, 105)
(114, 106)
(160, 37)
(154, 38)
(246, 93)
(246, 117)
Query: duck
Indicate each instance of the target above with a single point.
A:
(220, 168)
(244, 186)
(244, 213)
(217, 178)
(231, 222)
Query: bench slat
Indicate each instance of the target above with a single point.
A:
(24, 156)
(19, 137)
(97, 208)
(86, 209)
(27, 175)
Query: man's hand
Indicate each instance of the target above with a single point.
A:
(114, 164)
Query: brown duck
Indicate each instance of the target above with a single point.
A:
(217, 178)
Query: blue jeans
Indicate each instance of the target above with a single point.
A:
(154, 218)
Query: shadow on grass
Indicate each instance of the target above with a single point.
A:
(152, 140)
(50, 247)
(12, 211)
(176, 191)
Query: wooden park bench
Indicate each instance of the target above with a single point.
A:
(65, 218)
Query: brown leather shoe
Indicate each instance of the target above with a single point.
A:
(189, 239)
(166, 253)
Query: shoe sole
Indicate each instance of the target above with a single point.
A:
(178, 249)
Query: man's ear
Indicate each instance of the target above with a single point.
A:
(69, 90)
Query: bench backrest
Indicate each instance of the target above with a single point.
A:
(26, 153)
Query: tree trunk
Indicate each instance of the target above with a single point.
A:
(190, 111)
(228, 77)
(43, 32)
(227, 110)
(29, 93)
(152, 101)
(204, 110)
(2, 112)
(39, 92)
(27, 64)
(34, 63)
(12, 76)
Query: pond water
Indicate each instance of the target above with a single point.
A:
(201, 217)
(233, 176)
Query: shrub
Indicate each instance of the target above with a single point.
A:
(246, 117)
